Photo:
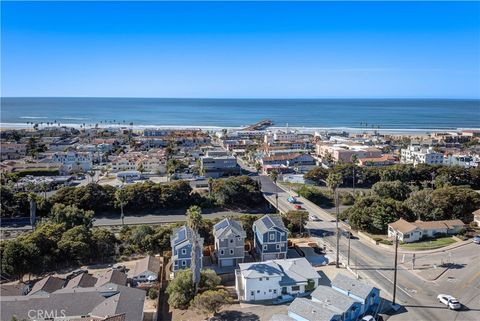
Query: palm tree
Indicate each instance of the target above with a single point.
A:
(274, 177)
(194, 222)
(354, 162)
(333, 181)
(210, 186)
(121, 198)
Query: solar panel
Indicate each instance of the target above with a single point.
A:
(181, 235)
(267, 221)
(221, 225)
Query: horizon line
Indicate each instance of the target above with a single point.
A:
(256, 98)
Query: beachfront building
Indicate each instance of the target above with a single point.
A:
(12, 151)
(219, 166)
(466, 161)
(415, 154)
(413, 231)
(345, 153)
(296, 161)
(229, 242)
(258, 281)
(74, 161)
(270, 237)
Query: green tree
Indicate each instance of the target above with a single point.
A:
(210, 302)
(18, 258)
(296, 220)
(75, 244)
(104, 242)
(317, 175)
(71, 215)
(392, 189)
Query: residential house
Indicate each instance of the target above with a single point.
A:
(74, 160)
(107, 303)
(47, 285)
(347, 307)
(384, 160)
(415, 154)
(302, 309)
(297, 160)
(111, 277)
(413, 231)
(181, 243)
(367, 295)
(146, 269)
(466, 161)
(12, 151)
(270, 238)
(258, 281)
(229, 242)
(83, 280)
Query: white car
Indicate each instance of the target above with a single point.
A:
(368, 318)
(449, 301)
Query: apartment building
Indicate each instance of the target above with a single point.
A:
(12, 151)
(415, 154)
(219, 166)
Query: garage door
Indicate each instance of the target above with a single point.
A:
(269, 256)
(228, 262)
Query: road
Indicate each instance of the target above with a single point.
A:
(375, 264)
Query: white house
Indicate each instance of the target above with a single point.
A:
(415, 154)
(268, 280)
(71, 159)
(413, 231)
(146, 269)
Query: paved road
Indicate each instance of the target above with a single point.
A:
(375, 264)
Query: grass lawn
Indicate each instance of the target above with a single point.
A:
(429, 245)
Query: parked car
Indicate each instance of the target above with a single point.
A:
(476, 239)
(449, 301)
(292, 200)
(283, 299)
(347, 234)
(297, 207)
(314, 218)
(368, 318)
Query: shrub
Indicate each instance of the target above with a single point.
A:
(152, 293)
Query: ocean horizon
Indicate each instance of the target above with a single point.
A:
(392, 115)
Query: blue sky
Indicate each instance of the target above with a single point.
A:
(241, 50)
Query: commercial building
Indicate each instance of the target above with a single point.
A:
(219, 166)
(413, 231)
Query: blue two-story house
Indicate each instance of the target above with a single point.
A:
(181, 242)
(270, 238)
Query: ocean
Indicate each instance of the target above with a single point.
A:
(394, 115)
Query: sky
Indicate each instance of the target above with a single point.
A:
(241, 49)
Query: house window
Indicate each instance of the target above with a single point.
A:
(258, 291)
(252, 293)
(184, 263)
(184, 251)
(260, 279)
(264, 247)
(282, 234)
(272, 237)
(275, 291)
(231, 251)
(222, 252)
(278, 246)
(295, 288)
(231, 240)
(269, 290)
(267, 279)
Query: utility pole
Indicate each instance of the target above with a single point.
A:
(395, 270)
(348, 255)
(338, 231)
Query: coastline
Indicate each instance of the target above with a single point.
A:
(396, 131)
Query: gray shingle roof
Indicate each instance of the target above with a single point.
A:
(354, 286)
(149, 263)
(332, 298)
(268, 222)
(256, 270)
(281, 317)
(226, 226)
(83, 280)
(112, 276)
(98, 302)
(312, 311)
(48, 284)
(296, 271)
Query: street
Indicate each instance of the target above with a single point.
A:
(417, 295)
